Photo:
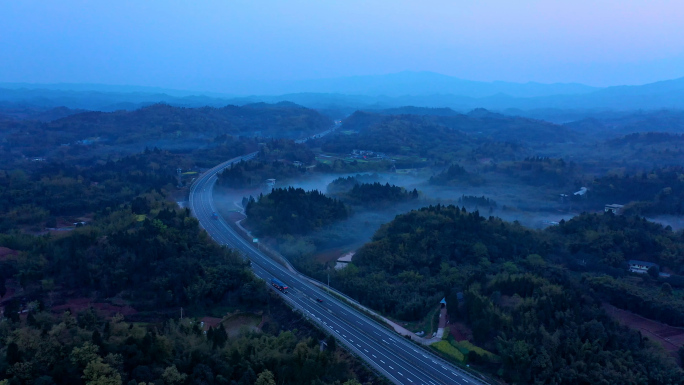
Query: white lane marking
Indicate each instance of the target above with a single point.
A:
(385, 342)
(374, 356)
(365, 350)
(382, 361)
(391, 367)
(399, 373)
(358, 345)
(409, 379)
(344, 336)
(444, 367)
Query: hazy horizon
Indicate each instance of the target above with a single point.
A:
(365, 75)
(212, 46)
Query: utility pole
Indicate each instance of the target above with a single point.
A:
(181, 313)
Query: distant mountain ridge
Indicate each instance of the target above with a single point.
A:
(478, 123)
(418, 89)
(10, 112)
(406, 83)
(409, 83)
(105, 88)
(100, 100)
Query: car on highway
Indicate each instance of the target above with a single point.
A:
(319, 300)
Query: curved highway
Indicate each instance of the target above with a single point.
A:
(390, 354)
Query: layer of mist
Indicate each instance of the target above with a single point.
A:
(515, 202)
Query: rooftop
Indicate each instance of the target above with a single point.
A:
(641, 263)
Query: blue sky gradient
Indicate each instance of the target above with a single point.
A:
(208, 45)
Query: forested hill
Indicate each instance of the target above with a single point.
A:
(521, 302)
(153, 257)
(98, 134)
(658, 191)
(276, 159)
(150, 249)
(378, 195)
(411, 110)
(480, 123)
(423, 241)
(293, 211)
(509, 128)
(9, 111)
(670, 121)
(402, 135)
(455, 174)
(43, 192)
(162, 120)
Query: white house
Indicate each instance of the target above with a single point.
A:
(614, 208)
(640, 267)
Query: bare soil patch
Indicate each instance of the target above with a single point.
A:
(6, 253)
(235, 323)
(210, 322)
(460, 331)
(12, 286)
(78, 305)
(671, 338)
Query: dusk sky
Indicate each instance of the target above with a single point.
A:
(204, 45)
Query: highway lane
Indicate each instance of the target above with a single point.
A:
(390, 354)
(321, 134)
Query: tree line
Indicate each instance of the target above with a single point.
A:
(32, 197)
(659, 191)
(91, 134)
(455, 174)
(150, 250)
(377, 194)
(84, 348)
(292, 211)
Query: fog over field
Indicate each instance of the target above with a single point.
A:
(515, 202)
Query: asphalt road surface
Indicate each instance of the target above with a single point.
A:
(389, 353)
